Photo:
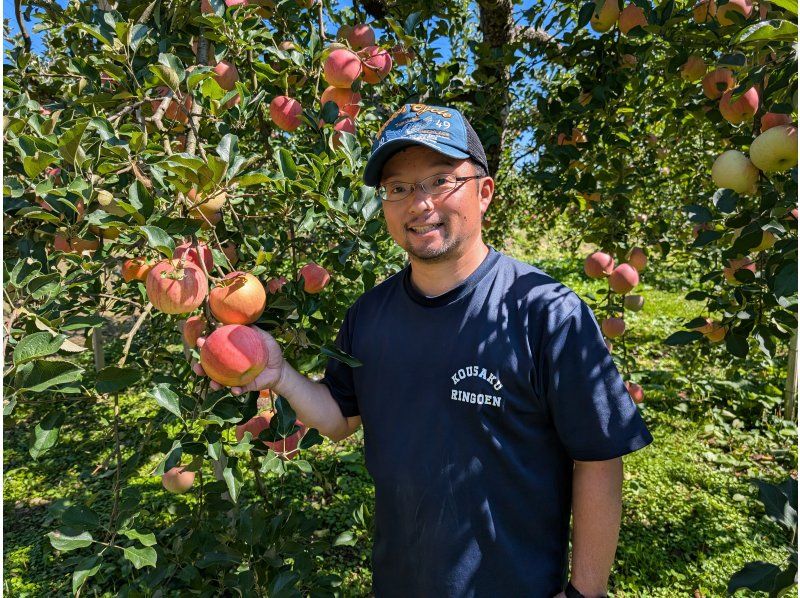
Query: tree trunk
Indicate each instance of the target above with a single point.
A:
(97, 347)
(492, 78)
(790, 390)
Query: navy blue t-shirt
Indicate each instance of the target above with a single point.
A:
(474, 405)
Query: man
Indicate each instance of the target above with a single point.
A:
(489, 401)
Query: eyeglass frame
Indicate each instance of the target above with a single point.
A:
(459, 179)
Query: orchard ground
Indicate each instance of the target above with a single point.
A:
(690, 520)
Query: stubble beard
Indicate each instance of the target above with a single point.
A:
(434, 255)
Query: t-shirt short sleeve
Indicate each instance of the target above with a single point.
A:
(594, 416)
(338, 375)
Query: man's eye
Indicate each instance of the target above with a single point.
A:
(440, 181)
(398, 188)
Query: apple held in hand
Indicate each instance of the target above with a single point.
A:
(233, 355)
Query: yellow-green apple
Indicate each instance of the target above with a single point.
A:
(606, 13)
(775, 150)
(633, 302)
(733, 170)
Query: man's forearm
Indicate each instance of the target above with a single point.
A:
(312, 402)
(596, 514)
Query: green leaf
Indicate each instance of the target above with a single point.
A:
(70, 141)
(158, 239)
(39, 375)
(336, 353)
(736, 345)
(93, 31)
(255, 177)
(212, 559)
(682, 337)
(286, 164)
(228, 147)
(310, 438)
(233, 478)
(146, 538)
(38, 344)
(65, 542)
(773, 30)
(34, 165)
(85, 569)
(113, 379)
(758, 576)
(140, 557)
(330, 111)
(302, 465)
(345, 539)
(788, 5)
(45, 434)
(80, 517)
(167, 399)
(785, 284)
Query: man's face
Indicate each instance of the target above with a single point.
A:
(455, 216)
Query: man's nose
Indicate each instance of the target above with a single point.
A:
(421, 200)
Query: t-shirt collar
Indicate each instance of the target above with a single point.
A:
(455, 293)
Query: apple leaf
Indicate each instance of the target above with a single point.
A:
(65, 542)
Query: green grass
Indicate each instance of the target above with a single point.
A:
(691, 519)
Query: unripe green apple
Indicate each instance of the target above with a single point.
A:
(733, 170)
(775, 150)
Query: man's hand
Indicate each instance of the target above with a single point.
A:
(269, 376)
(561, 595)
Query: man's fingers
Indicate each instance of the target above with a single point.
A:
(198, 369)
(215, 385)
(201, 340)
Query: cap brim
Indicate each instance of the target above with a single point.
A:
(374, 168)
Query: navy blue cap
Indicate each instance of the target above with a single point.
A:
(442, 129)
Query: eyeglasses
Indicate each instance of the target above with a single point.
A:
(436, 184)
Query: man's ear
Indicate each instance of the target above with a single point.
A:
(485, 193)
